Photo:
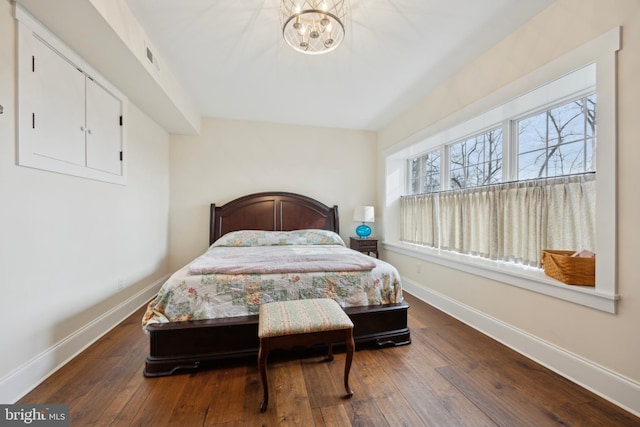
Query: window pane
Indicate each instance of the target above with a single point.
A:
(431, 172)
(457, 179)
(475, 176)
(494, 142)
(493, 157)
(531, 165)
(469, 160)
(414, 176)
(456, 154)
(432, 164)
(591, 164)
(532, 133)
(567, 159)
(591, 115)
(566, 123)
(474, 150)
(424, 173)
(434, 183)
(494, 171)
(558, 141)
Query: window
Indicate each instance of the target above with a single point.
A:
(547, 130)
(557, 141)
(511, 222)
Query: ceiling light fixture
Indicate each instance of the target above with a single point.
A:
(313, 26)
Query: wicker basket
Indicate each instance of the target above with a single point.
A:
(568, 269)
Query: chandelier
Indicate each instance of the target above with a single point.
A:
(313, 26)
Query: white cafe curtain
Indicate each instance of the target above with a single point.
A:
(509, 222)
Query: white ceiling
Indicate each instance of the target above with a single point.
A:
(230, 57)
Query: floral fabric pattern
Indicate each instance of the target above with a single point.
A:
(188, 296)
(279, 238)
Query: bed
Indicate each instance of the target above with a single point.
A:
(208, 309)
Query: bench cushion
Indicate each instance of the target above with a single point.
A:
(301, 316)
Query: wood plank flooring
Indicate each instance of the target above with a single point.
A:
(451, 375)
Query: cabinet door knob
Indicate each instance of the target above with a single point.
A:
(82, 128)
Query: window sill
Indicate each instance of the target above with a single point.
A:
(524, 277)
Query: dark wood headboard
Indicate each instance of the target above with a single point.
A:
(274, 211)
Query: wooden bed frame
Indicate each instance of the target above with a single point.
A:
(178, 346)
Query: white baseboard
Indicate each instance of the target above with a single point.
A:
(23, 379)
(610, 385)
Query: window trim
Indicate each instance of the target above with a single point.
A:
(600, 51)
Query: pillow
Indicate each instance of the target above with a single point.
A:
(279, 238)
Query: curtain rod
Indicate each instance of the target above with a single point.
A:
(524, 182)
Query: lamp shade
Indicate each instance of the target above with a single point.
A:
(364, 214)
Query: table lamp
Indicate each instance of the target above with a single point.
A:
(364, 214)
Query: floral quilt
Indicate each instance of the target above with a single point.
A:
(187, 296)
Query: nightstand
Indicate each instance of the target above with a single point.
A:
(366, 246)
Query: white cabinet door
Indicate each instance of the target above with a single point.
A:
(104, 132)
(69, 116)
(58, 118)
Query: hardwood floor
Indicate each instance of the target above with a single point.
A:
(450, 375)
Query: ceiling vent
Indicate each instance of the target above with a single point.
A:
(151, 57)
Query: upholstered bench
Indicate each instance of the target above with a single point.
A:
(289, 324)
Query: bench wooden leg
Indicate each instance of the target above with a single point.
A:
(347, 363)
(329, 357)
(290, 341)
(262, 367)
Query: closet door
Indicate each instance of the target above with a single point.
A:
(71, 120)
(104, 131)
(58, 118)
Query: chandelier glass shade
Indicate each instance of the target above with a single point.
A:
(313, 26)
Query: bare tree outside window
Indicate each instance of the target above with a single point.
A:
(424, 173)
(477, 160)
(431, 165)
(559, 141)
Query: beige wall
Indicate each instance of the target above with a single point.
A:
(609, 340)
(232, 158)
(65, 241)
